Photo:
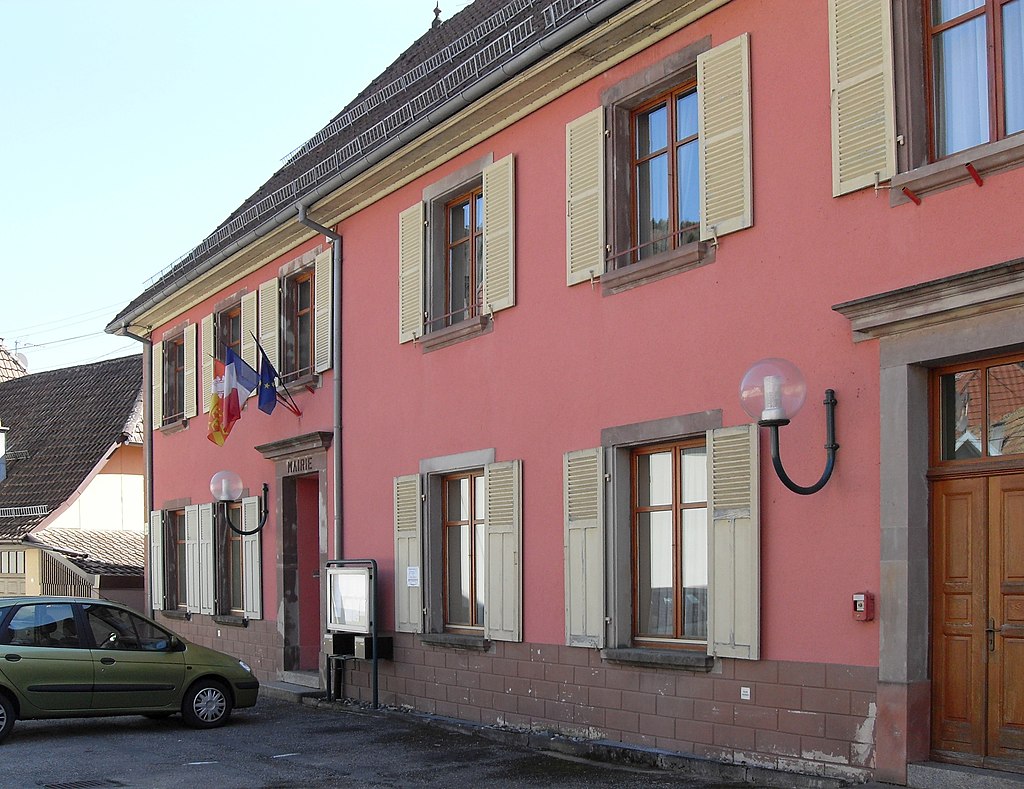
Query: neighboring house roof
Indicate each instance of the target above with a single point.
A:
(62, 424)
(10, 365)
(441, 65)
(100, 552)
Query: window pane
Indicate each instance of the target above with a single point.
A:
(652, 205)
(688, 191)
(651, 131)
(479, 213)
(654, 479)
(686, 116)
(458, 499)
(458, 574)
(1006, 409)
(479, 535)
(304, 331)
(459, 284)
(1013, 65)
(945, 10)
(961, 87)
(478, 497)
(458, 221)
(695, 573)
(961, 414)
(693, 473)
(655, 610)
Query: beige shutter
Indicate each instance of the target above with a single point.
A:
(156, 375)
(408, 555)
(734, 563)
(499, 181)
(190, 403)
(584, 548)
(270, 321)
(252, 560)
(410, 273)
(191, 568)
(584, 193)
(324, 292)
(207, 350)
(206, 560)
(156, 560)
(503, 527)
(723, 124)
(861, 73)
(247, 319)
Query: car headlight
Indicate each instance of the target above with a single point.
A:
(245, 665)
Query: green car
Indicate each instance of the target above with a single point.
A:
(69, 657)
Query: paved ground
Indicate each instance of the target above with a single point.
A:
(287, 746)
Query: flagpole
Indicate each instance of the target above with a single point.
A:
(288, 403)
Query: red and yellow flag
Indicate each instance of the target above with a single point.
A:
(218, 429)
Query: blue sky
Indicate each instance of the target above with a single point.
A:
(129, 129)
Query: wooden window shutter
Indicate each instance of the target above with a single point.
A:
(862, 98)
(207, 350)
(503, 585)
(156, 560)
(584, 548)
(206, 560)
(190, 403)
(723, 124)
(734, 563)
(584, 192)
(270, 321)
(156, 374)
(408, 555)
(323, 284)
(499, 184)
(252, 560)
(191, 568)
(248, 322)
(410, 273)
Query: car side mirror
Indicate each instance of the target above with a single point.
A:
(177, 645)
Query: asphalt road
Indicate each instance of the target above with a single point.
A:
(285, 745)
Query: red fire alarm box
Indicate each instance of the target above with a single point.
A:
(863, 606)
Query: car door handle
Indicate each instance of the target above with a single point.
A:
(107, 661)
(13, 658)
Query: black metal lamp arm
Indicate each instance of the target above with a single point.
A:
(265, 511)
(830, 447)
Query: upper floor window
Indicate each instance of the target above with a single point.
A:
(229, 331)
(464, 257)
(298, 325)
(174, 378)
(977, 71)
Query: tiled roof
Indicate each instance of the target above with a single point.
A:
(10, 365)
(101, 552)
(62, 422)
(442, 64)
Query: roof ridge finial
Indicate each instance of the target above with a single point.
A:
(437, 15)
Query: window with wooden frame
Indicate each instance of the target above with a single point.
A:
(463, 516)
(670, 542)
(979, 408)
(177, 565)
(298, 325)
(975, 60)
(229, 331)
(231, 598)
(174, 378)
(464, 257)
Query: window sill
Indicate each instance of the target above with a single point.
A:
(174, 426)
(181, 616)
(450, 335)
(231, 620)
(456, 641)
(688, 659)
(674, 261)
(950, 172)
(309, 381)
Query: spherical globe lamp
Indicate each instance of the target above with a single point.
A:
(772, 391)
(226, 486)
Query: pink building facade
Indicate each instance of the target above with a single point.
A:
(517, 354)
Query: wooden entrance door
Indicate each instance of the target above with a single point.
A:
(978, 620)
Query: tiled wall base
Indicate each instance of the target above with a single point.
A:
(258, 643)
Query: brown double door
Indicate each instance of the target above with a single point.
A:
(978, 620)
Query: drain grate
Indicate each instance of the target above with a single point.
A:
(101, 784)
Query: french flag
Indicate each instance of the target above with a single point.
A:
(240, 380)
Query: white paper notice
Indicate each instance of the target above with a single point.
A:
(412, 576)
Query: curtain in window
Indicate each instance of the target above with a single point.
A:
(1013, 65)
(961, 87)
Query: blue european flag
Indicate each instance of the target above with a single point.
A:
(268, 384)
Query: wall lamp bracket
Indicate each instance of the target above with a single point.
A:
(226, 487)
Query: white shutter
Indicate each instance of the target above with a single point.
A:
(191, 568)
(247, 319)
(252, 560)
(324, 309)
(207, 350)
(410, 273)
(499, 184)
(584, 193)
(584, 548)
(408, 555)
(503, 585)
(207, 567)
(270, 321)
(734, 563)
(156, 560)
(723, 125)
(156, 374)
(862, 98)
(191, 406)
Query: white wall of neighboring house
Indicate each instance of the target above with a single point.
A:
(113, 498)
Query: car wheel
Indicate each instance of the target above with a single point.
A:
(7, 716)
(206, 705)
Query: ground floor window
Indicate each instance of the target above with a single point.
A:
(463, 517)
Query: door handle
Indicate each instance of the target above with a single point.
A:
(990, 631)
(13, 658)
(107, 661)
